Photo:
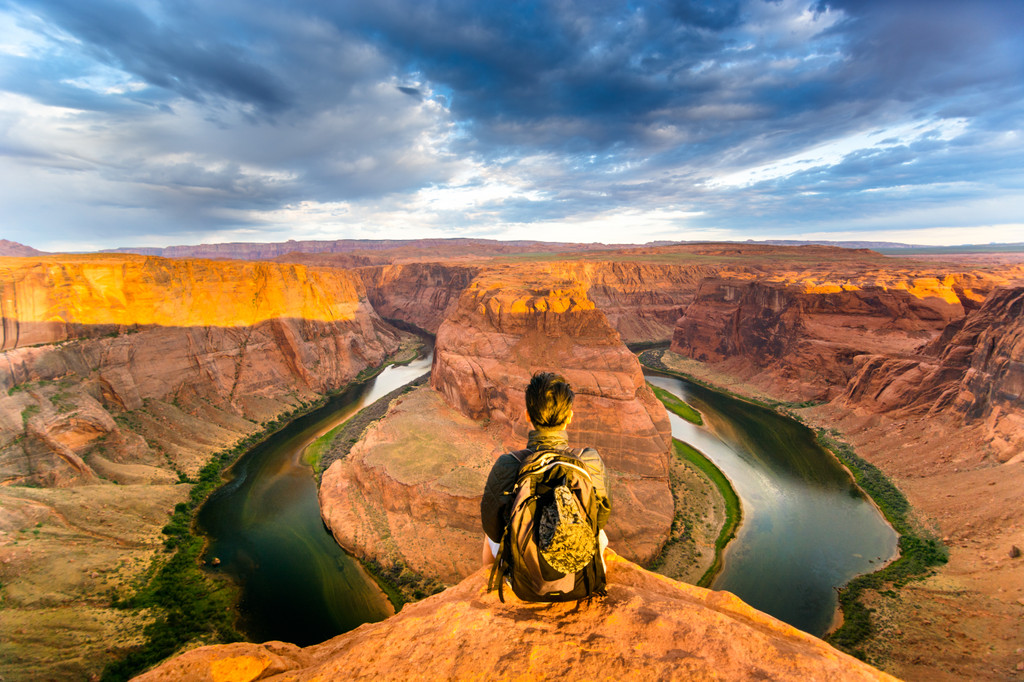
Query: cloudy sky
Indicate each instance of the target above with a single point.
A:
(160, 122)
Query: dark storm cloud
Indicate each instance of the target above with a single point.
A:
(172, 54)
(585, 71)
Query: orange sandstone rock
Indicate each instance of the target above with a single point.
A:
(231, 343)
(647, 628)
(972, 373)
(808, 333)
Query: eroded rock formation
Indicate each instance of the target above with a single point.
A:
(973, 371)
(102, 354)
(647, 628)
(808, 333)
(417, 294)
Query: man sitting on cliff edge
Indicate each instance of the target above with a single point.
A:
(547, 495)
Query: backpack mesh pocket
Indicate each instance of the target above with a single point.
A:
(566, 539)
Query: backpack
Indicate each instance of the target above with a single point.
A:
(550, 551)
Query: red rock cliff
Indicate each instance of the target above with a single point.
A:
(416, 294)
(808, 333)
(165, 346)
(974, 372)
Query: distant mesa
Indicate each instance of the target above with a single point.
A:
(9, 248)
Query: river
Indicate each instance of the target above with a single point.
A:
(264, 526)
(806, 527)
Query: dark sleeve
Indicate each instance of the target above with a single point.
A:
(492, 505)
(599, 476)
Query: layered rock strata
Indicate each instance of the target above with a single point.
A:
(807, 334)
(974, 370)
(508, 326)
(102, 354)
(648, 627)
(420, 295)
(135, 371)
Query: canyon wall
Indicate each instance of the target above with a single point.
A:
(808, 333)
(642, 301)
(420, 295)
(135, 369)
(974, 371)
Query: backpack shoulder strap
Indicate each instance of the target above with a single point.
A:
(521, 455)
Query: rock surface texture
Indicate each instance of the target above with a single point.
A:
(417, 294)
(187, 355)
(808, 333)
(973, 372)
(647, 628)
(408, 493)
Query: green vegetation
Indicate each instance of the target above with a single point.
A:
(677, 406)
(401, 584)
(62, 401)
(28, 413)
(190, 605)
(918, 553)
(733, 513)
(314, 452)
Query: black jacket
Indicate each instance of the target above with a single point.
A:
(506, 469)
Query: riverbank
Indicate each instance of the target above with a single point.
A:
(399, 582)
(891, 615)
(707, 509)
(184, 603)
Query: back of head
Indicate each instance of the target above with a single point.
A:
(548, 400)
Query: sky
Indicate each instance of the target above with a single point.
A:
(164, 122)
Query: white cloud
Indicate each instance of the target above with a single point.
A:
(832, 153)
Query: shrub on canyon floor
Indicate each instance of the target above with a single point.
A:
(918, 552)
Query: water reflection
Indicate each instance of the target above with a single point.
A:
(806, 528)
(264, 525)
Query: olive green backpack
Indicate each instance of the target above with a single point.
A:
(550, 550)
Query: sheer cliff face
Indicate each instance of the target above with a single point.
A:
(105, 353)
(808, 333)
(642, 301)
(974, 370)
(417, 294)
(510, 324)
